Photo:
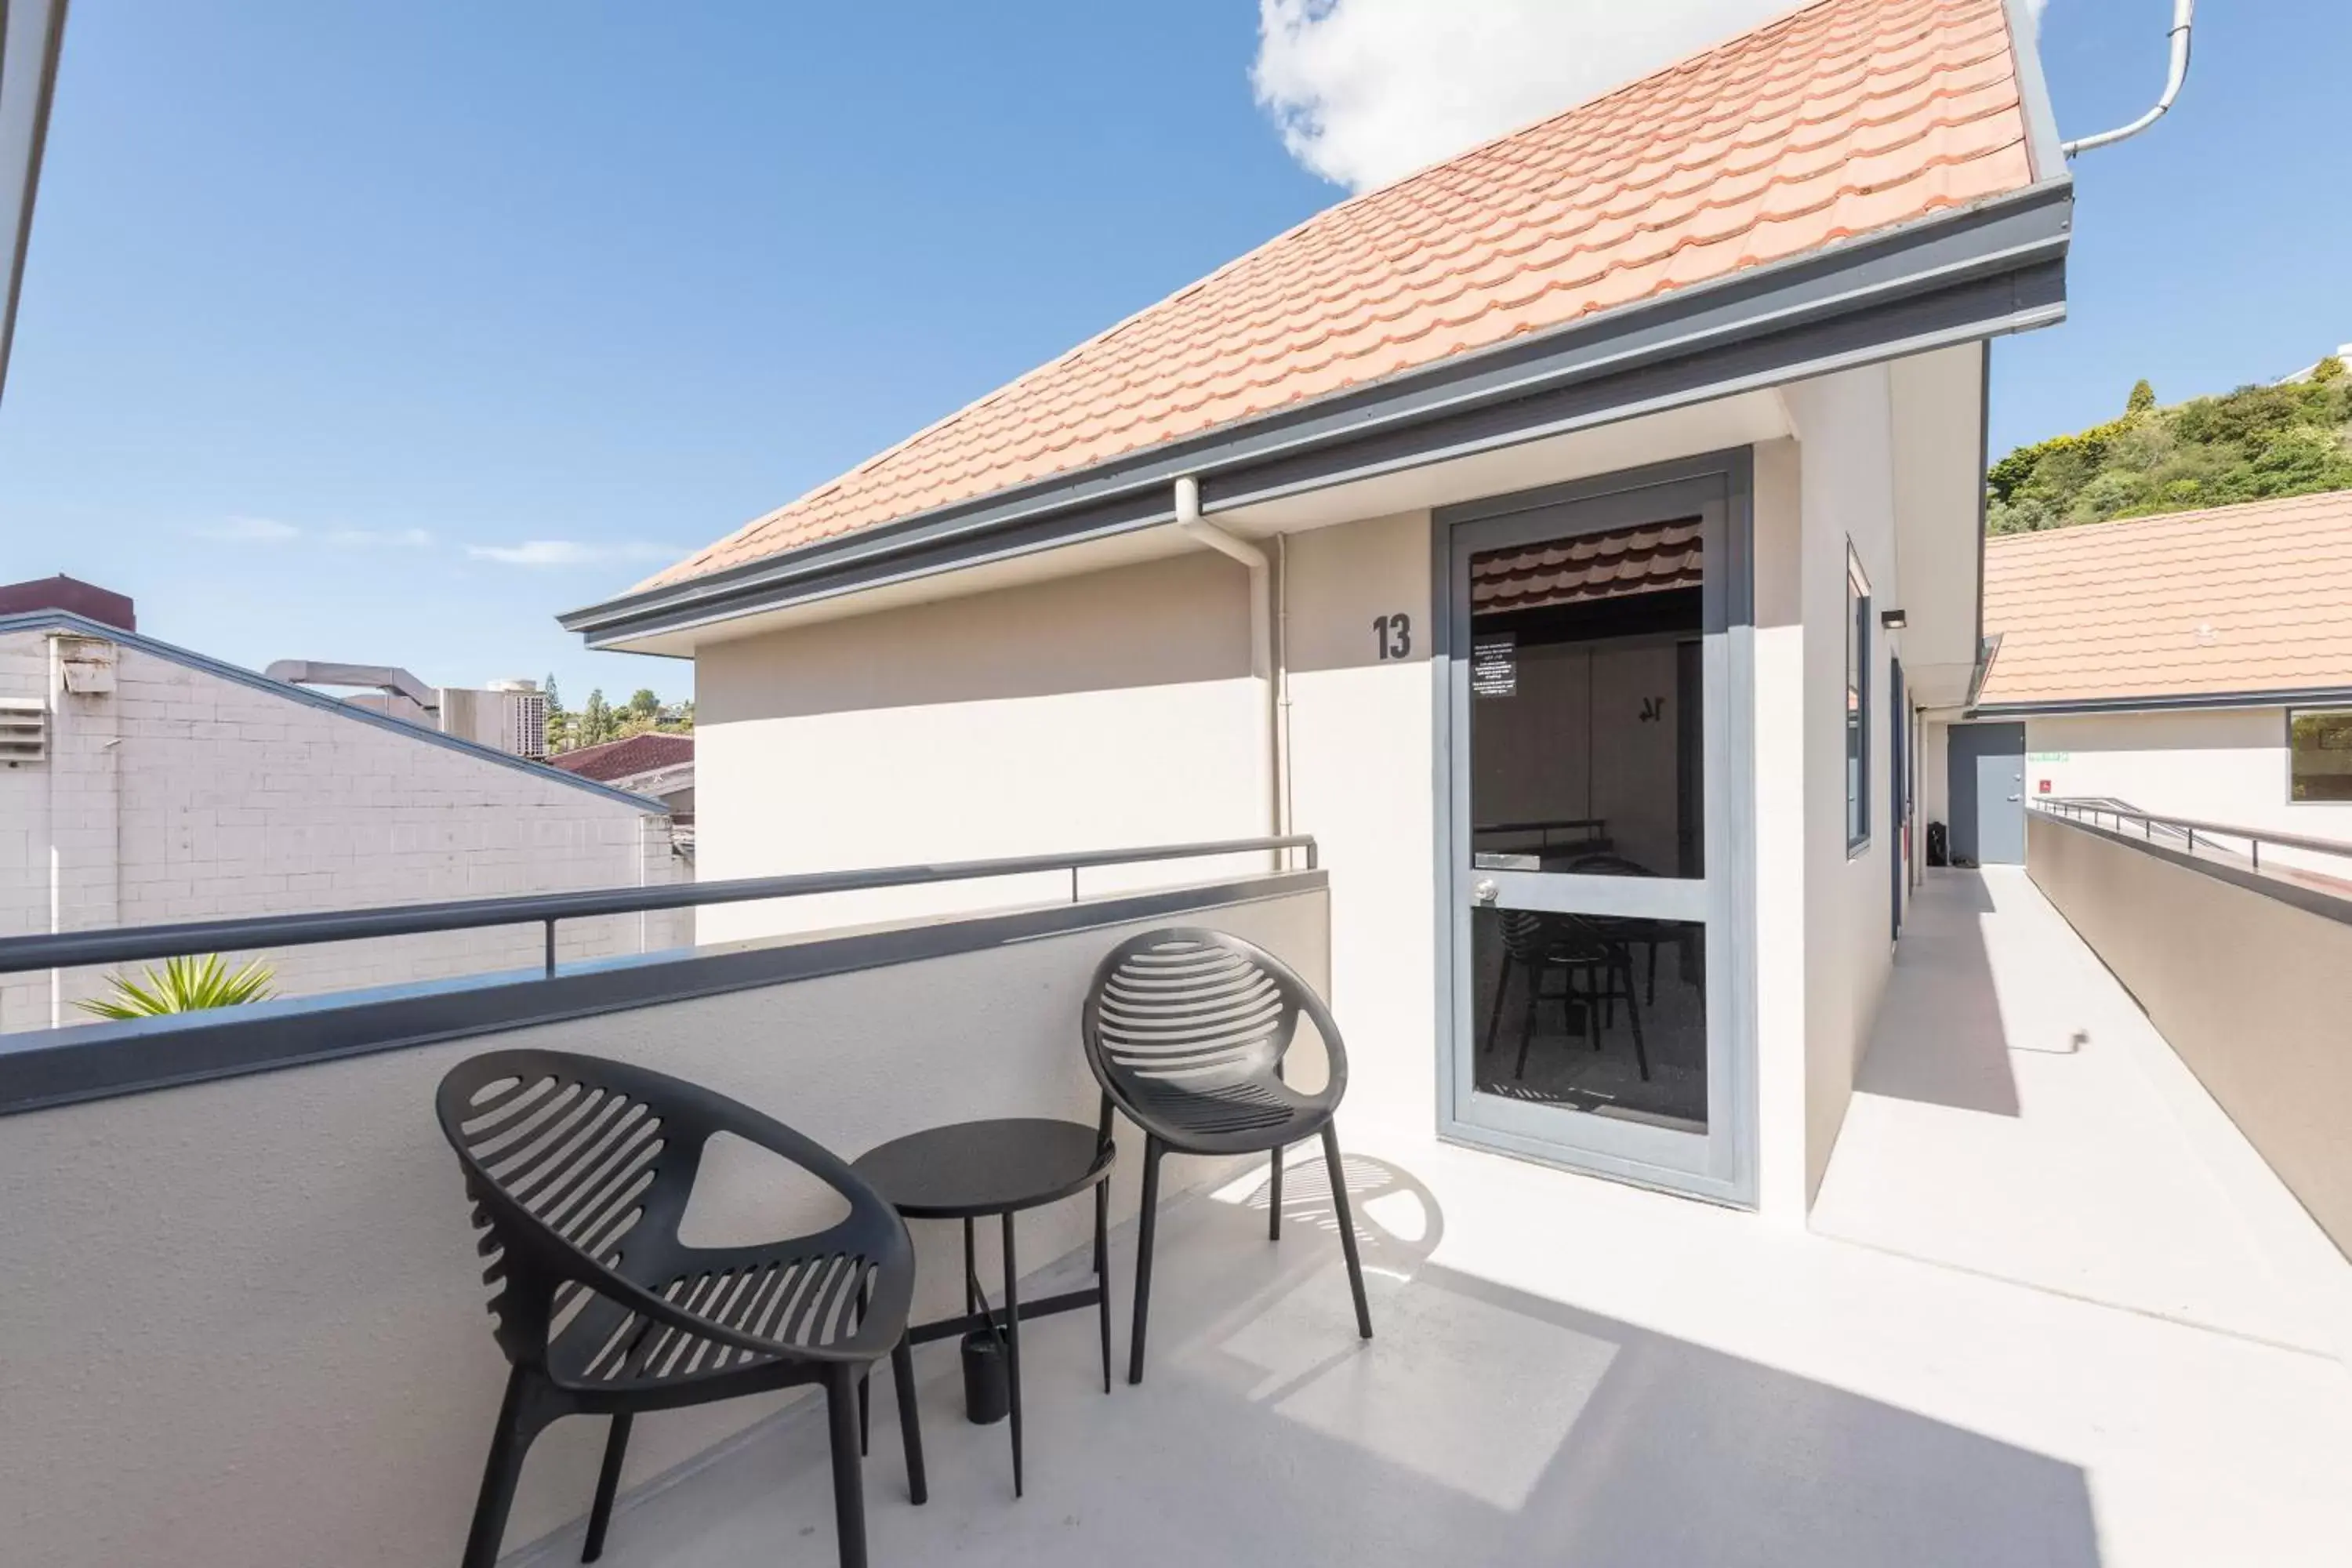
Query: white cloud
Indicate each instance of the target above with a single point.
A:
(569, 553)
(250, 530)
(381, 538)
(1366, 91)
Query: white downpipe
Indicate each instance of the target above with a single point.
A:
(1264, 665)
(2183, 18)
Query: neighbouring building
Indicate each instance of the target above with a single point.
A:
(143, 784)
(508, 716)
(1572, 537)
(2197, 665)
(653, 764)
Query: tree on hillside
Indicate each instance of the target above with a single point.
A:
(597, 724)
(2142, 399)
(2327, 369)
(559, 722)
(2253, 443)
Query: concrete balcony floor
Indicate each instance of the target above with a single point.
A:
(1572, 1371)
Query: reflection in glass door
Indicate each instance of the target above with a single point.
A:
(1595, 1019)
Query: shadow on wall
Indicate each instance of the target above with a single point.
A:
(1177, 621)
(1483, 1425)
(1963, 1063)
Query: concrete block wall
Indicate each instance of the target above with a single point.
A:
(184, 794)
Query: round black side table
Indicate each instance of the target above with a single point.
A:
(970, 1170)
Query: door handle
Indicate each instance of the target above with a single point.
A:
(2012, 798)
(1485, 892)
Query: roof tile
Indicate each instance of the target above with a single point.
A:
(1841, 119)
(2239, 599)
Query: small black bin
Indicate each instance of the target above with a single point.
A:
(987, 1392)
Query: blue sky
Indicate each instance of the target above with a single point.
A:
(333, 314)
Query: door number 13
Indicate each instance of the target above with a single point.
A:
(1392, 636)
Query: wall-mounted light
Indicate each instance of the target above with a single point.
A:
(1892, 620)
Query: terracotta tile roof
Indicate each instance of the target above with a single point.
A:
(1644, 560)
(1847, 117)
(2241, 599)
(622, 759)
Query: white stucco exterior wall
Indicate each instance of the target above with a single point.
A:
(2225, 765)
(184, 796)
(1103, 711)
(1845, 497)
(1363, 782)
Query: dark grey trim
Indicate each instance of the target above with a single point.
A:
(2043, 151)
(44, 85)
(1988, 649)
(101, 1061)
(80, 626)
(2301, 896)
(1732, 903)
(2189, 703)
(1995, 268)
(1984, 502)
(130, 944)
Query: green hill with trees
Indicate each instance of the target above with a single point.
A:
(2253, 443)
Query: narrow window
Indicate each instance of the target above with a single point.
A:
(2319, 753)
(1857, 704)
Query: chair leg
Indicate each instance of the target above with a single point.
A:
(522, 1415)
(911, 1421)
(1347, 1228)
(849, 1484)
(1102, 1271)
(864, 1387)
(1527, 1021)
(1273, 1207)
(1652, 981)
(608, 1482)
(1146, 1226)
(1634, 1014)
(1502, 990)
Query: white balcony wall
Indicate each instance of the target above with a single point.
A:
(183, 796)
(251, 1333)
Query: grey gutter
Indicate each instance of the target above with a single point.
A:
(32, 32)
(1996, 268)
(39, 1069)
(81, 625)
(2193, 702)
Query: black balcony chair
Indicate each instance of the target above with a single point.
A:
(1596, 973)
(1185, 1030)
(579, 1171)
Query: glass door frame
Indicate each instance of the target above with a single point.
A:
(1719, 1164)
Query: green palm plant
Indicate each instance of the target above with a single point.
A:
(182, 985)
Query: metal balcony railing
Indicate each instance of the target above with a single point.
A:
(127, 945)
(2150, 825)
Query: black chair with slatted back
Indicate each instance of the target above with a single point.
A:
(581, 1171)
(1185, 1029)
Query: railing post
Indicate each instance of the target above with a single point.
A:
(1313, 854)
(2256, 845)
(551, 949)
(1074, 884)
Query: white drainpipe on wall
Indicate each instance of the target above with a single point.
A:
(1265, 660)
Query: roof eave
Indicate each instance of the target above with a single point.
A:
(1992, 267)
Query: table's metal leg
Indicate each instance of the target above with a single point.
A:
(1102, 1270)
(970, 1273)
(1013, 1344)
